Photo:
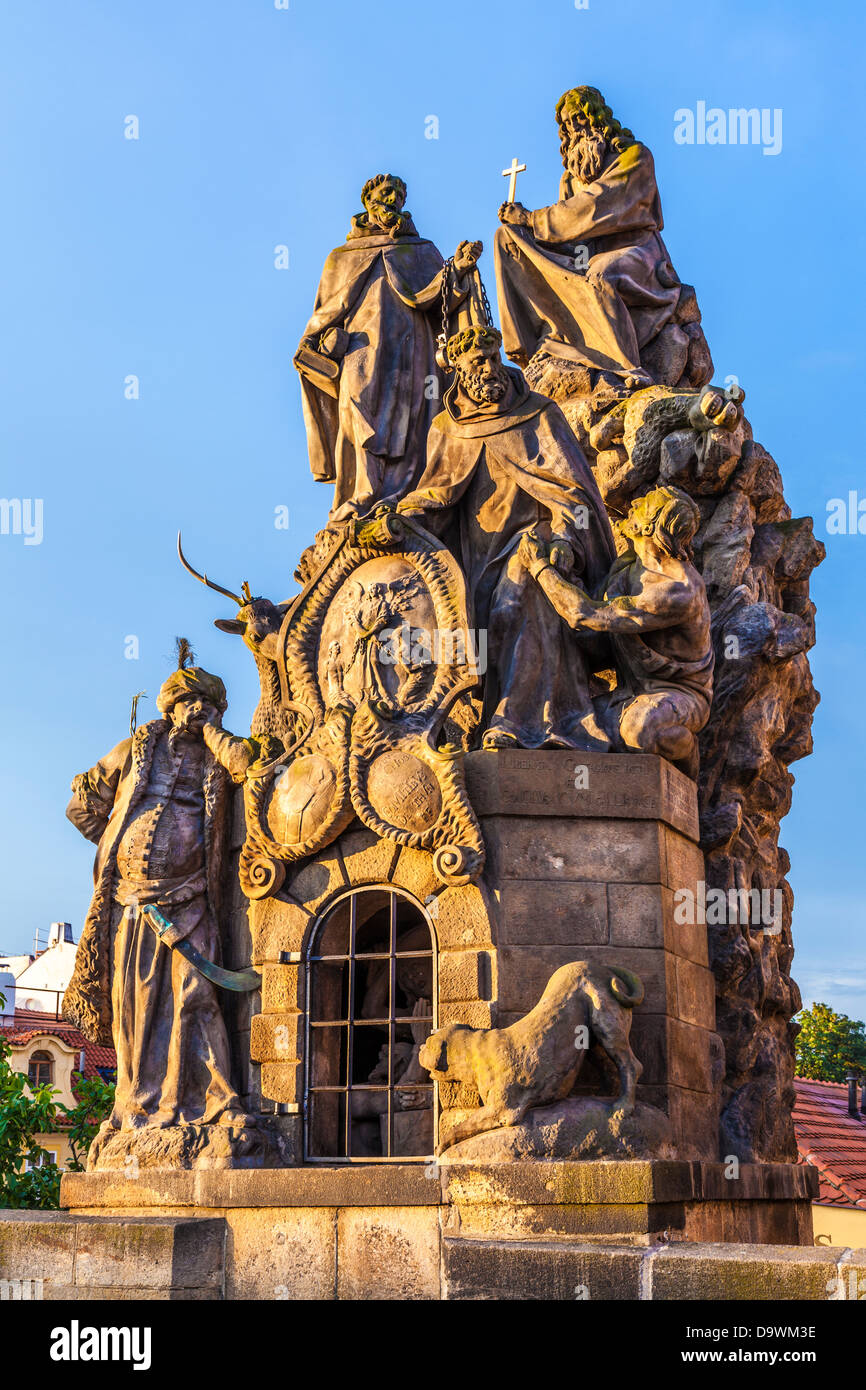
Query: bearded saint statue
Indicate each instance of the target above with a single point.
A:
(370, 381)
(158, 807)
(502, 461)
(588, 280)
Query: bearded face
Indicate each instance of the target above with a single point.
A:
(587, 151)
(384, 206)
(483, 376)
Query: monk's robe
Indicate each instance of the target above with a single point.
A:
(598, 312)
(492, 473)
(367, 431)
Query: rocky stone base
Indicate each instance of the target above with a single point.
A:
(577, 1128)
(185, 1146)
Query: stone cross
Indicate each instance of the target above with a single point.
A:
(514, 170)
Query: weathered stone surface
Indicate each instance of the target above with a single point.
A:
(276, 1037)
(695, 992)
(573, 1129)
(283, 1081)
(464, 975)
(171, 1190)
(32, 1242)
(632, 1223)
(367, 857)
(145, 1253)
(201, 1146)
(524, 972)
(277, 925)
(695, 1114)
(107, 1253)
(679, 1054)
(559, 782)
(642, 914)
(285, 1254)
(318, 879)
(391, 1253)
(458, 1095)
(525, 1270)
(474, 1013)
(464, 916)
(374, 1185)
(574, 914)
(572, 1184)
(758, 1222)
(562, 850)
(718, 1272)
(684, 867)
(282, 988)
(414, 872)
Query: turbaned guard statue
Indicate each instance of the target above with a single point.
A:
(158, 807)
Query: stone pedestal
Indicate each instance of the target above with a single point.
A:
(662, 1230)
(584, 855)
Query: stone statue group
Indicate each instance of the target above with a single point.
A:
(408, 405)
(596, 640)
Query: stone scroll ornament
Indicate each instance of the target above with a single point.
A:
(370, 675)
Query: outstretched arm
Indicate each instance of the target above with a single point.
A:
(660, 603)
(234, 754)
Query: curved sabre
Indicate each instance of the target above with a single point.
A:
(241, 981)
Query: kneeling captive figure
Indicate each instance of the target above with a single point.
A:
(654, 609)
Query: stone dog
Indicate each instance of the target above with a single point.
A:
(537, 1059)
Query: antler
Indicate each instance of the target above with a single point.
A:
(204, 579)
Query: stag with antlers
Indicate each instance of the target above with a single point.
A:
(259, 622)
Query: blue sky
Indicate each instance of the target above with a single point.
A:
(155, 258)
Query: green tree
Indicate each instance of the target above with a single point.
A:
(26, 1112)
(23, 1115)
(829, 1045)
(95, 1104)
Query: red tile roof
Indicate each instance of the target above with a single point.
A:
(30, 1024)
(832, 1141)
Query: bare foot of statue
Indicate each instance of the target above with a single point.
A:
(716, 409)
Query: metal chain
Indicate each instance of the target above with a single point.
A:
(446, 282)
(485, 300)
(446, 285)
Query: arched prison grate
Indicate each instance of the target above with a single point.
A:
(371, 1002)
